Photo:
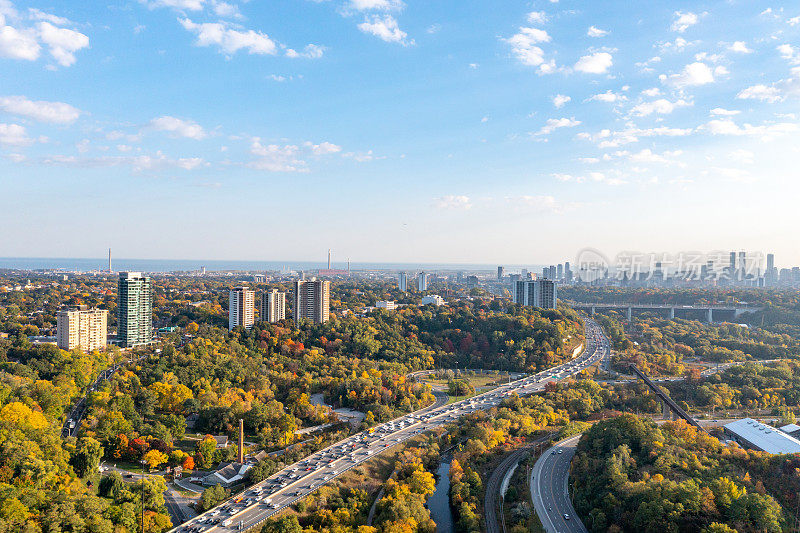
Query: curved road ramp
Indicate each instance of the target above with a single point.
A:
(550, 491)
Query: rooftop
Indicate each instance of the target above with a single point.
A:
(763, 437)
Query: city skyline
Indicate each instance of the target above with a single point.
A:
(673, 127)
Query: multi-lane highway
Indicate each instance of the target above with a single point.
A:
(296, 481)
(550, 492)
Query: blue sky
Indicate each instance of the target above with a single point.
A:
(463, 131)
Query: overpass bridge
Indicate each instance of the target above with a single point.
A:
(669, 407)
(708, 312)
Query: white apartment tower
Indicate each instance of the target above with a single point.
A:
(402, 281)
(422, 282)
(312, 300)
(241, 307)
(536, 293)
(273, 306)
(82, 328)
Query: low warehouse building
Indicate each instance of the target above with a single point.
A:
(757, 436)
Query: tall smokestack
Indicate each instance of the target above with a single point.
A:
(329, 258)
(109, 259)
(240, 457)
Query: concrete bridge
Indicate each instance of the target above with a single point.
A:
(729, 312)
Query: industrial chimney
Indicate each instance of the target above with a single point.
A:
(240, 457)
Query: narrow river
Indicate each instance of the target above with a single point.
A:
(439, 502)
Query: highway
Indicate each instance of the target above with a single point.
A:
(282, 489)
(549, 490)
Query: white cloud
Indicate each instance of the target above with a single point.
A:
(224, 9)
(138, 163)
(523, 45)
(693, 74)
(181, 5)
(179, 127)
(311, 51)
(54, 112)
(362, 157)
(560, 100)
(537, 17)
(276, 158)
(612, 139)
(376, 5)
(761, 92)
(789, 53)
(723, 112)
(683, 21)
(230, 40)
(740, 47)
(453, 202)
(765, 132)
(596, 32)
(14, 135)
(63, 42)
(36, 14)
(609, 97)
(18, 44)
(553, 124)
(652, 92)
(386, 29)
(661, 106)
(596, 63)
(323, 148)
(794, 21)
(677, 45)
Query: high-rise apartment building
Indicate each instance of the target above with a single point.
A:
(559, 271)
(241, 307)
(536, 293)
(402, 281)
(273, 306)
(500, 273)
(422, 282)
(134, 310)
(82, 328)
(312, 300)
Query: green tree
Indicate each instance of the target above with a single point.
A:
(87, 456)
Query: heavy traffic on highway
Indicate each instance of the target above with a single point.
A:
(264, 499)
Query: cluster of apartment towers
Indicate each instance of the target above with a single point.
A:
(312, 299)
(87, 329)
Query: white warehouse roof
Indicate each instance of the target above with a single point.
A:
(790, 428)
(763, 437)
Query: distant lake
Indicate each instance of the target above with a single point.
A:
(188, 265)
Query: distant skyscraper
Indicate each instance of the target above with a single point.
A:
(733, 261)
(273, 306)
(241, 307)
(402, 281)
(82, 328)
(134, 310)
(559, 271)
(536, 293)
(500, 273)
(312, 301)
(422, 282)
(770, 261)
(567, 272)
(109, 259)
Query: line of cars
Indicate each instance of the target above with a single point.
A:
(297, 480)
